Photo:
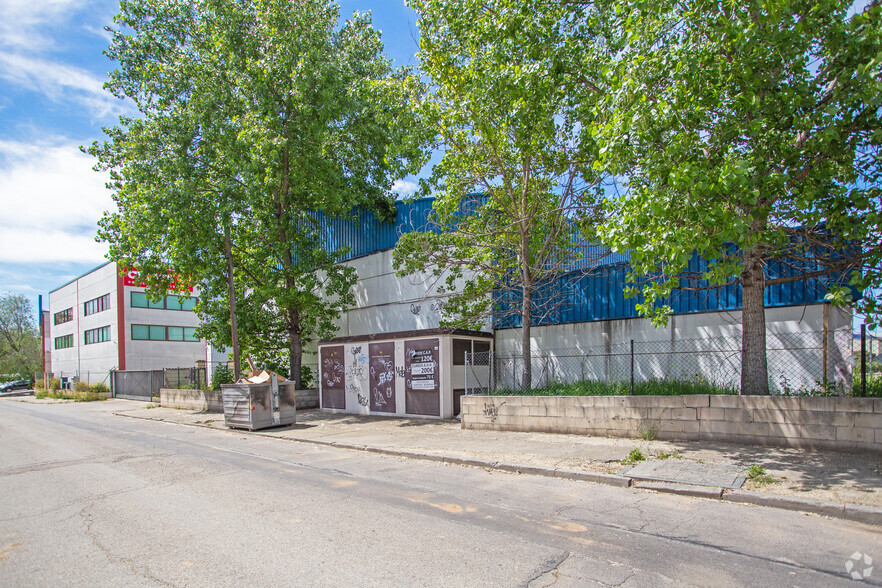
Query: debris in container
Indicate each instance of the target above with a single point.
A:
(260, 378)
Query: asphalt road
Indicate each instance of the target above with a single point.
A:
(90, 498)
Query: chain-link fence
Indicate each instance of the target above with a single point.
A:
(798, 363)
(67, 379)
(194, 378)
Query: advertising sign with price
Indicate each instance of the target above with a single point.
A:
(422, 390)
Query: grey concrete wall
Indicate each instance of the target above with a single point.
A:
(205, 400)
(842, 424)
(306, 399)
(387, 303)
(702, 345)
(212, 401)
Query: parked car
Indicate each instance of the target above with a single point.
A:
(15, 385)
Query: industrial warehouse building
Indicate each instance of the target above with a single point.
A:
(587, 337)
(391, 356)
(103, 321)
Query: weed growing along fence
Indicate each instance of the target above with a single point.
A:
(805, 363)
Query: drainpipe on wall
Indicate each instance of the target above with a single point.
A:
(77, 336)
(42, 335)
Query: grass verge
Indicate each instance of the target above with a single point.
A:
(660, 387)
(85, 396)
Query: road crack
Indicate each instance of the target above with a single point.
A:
(141, 571)
(552, 568)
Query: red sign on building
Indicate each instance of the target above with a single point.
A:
(132, 277)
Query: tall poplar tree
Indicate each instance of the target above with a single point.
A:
(253, 117)
(513, 178)
(748, 133)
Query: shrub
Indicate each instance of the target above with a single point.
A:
(874, 383)
(38, 385)
(55, 385)
(100, 388)
(87, 396)
(633, 457)
(221, 375)
(81, 387)
(306, 379)
(758, 475)
(41, 393)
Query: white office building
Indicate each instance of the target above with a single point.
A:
(103, 321)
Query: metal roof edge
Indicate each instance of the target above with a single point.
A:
(94, 269)
(407, 335)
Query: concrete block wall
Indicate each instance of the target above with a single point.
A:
(306, 399)
(212, 401)
(204, 400)
(841, 424)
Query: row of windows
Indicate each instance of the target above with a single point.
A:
(96, 305)
(65, 316)
(99, 335)
(139, 333)
(161, 333)
(173, 302)
(139, 300)
(64, 342)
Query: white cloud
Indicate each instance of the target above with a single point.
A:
(404, 187)
(29, 23)
(60, 83)
(55, 199)
(49, 246)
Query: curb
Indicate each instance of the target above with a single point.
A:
(852, 512)
(681, 489)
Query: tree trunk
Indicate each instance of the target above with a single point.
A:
(754, 368)
(526, 348)
(295, 351)
(234, 329)
(292, 316)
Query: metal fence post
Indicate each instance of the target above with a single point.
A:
(632, 367)
(465, 382)
(863, 361)
(491, 361)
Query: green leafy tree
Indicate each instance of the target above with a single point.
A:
(254, 116)
(511, 182)
(20, 346)
(748, 133)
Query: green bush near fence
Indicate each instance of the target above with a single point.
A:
(660, 387)
(874, 384)
(76, 396)
(100, 388)
(221, 375)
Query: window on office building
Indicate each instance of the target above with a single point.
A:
(173, 302)
(64, 342)
(96, 305)
(99, 335)
(162, 333)
(64, 316)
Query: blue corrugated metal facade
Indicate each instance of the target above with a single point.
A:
(598, 294)
(594, 291)
(368, 235)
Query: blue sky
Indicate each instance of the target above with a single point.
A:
(51, 102)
